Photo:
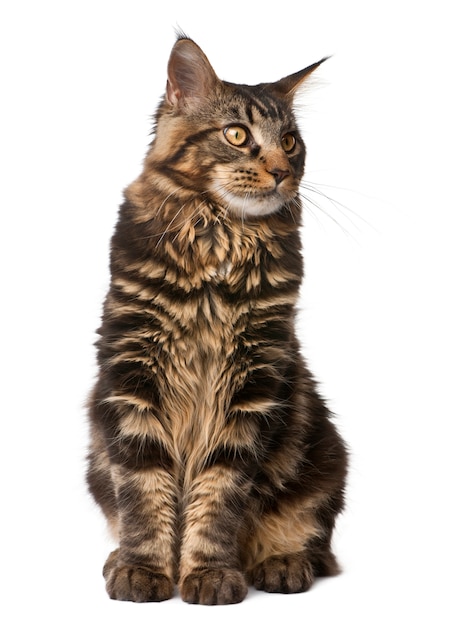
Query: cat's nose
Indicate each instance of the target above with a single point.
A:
(279, 174)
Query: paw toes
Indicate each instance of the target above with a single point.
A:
(214, 586)
(136, 584)
(283, 574)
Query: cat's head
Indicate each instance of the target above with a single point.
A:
(238, 145)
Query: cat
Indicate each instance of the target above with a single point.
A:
(212, 454)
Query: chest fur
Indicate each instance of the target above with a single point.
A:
(197, 297)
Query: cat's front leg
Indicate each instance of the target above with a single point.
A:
(132, 460)
(210, 568)
(142, 569)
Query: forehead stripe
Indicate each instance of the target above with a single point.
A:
(248, 112)
(266, 107)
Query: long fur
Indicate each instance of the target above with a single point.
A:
(212, 454)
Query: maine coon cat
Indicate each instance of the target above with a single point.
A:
(212, 454)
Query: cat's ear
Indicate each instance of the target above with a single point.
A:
(287, 87)
(190, 76)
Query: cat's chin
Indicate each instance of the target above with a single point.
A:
(252, 206)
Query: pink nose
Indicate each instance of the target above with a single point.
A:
(279, 175)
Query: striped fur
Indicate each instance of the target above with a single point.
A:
(212, 455)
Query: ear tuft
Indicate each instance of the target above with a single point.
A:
(287, 87)
(190, 76)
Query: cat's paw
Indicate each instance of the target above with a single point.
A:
(291, 573)
(135, 584)
(214, 586)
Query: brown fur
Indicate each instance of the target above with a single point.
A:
(212, 455)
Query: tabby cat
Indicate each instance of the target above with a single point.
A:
(212, 454)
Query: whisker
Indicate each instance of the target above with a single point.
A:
(168, 227)
(169, 196)
(296, 201)
(311, 187)
(327, 214)
(158, 210)
(196, 214)
(223, 190)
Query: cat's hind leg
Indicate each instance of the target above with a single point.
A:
(289, 573)
(291, 547)
(293, 573)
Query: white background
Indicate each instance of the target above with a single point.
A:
(379, 314)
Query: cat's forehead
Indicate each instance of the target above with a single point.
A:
(255, 105)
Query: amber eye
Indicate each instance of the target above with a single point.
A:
(288, 142)
(236, 135)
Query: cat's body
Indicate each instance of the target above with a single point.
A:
(212, 455)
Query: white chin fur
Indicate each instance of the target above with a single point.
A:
(252, 206)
